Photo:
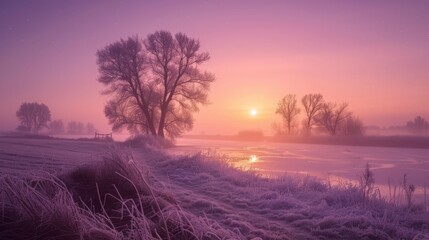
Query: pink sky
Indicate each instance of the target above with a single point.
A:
(372, 54)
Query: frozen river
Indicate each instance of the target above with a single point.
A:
(333, 162)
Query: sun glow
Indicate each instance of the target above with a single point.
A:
(253, 158)
(253, 112)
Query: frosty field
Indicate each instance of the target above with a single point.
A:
(22, 155)
(196, 196)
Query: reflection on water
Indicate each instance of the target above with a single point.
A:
(243, 161)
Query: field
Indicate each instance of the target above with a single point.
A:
(136, 190)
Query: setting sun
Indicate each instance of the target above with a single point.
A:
(253, 112)
(253, 158)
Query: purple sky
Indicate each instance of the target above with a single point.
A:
(372, 54)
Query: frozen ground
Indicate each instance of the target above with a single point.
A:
(20, 155)
(290, 207)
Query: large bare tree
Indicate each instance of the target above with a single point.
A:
(288, 110)
(33, 116)
(331, 116)
(312, 104)
(156, 83)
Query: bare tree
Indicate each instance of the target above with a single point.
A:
(57, 127)
(288, 109)
(123, 70)
(331, 116)
(33, 116)
(155, 87)
(418, 126)
(74, 127)
(174, 63)
(352, 126)
(312, 104)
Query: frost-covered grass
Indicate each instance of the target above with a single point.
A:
(148, 141)
(288, 207)
(146, 193)
(108, 200)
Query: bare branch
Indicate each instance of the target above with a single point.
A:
(288, 109)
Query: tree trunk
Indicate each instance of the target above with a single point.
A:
(162, 121)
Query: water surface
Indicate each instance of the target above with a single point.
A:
(332, 162)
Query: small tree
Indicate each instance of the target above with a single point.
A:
(33, 116)
(331, 116)
(57, 127)
(418, 126)
(312, 104)
(288, 110)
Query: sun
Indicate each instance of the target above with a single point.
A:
(253, 112)
(253, 158)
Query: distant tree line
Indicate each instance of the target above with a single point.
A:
(418, 126)
(35, 116)
(330, 117)
(73, 127)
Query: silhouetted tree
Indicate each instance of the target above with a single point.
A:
(33, 116)
(156, 83)
(74, 127)
(288, 110)
(418, 126)
(331, 116)
(312, 104)
(352, 126)
(57, 127)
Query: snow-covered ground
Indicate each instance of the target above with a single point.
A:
(218, 195)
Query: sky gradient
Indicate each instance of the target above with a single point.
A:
(372, 54)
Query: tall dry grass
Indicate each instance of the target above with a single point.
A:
(108, 200)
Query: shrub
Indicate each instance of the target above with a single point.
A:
(148, 141)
